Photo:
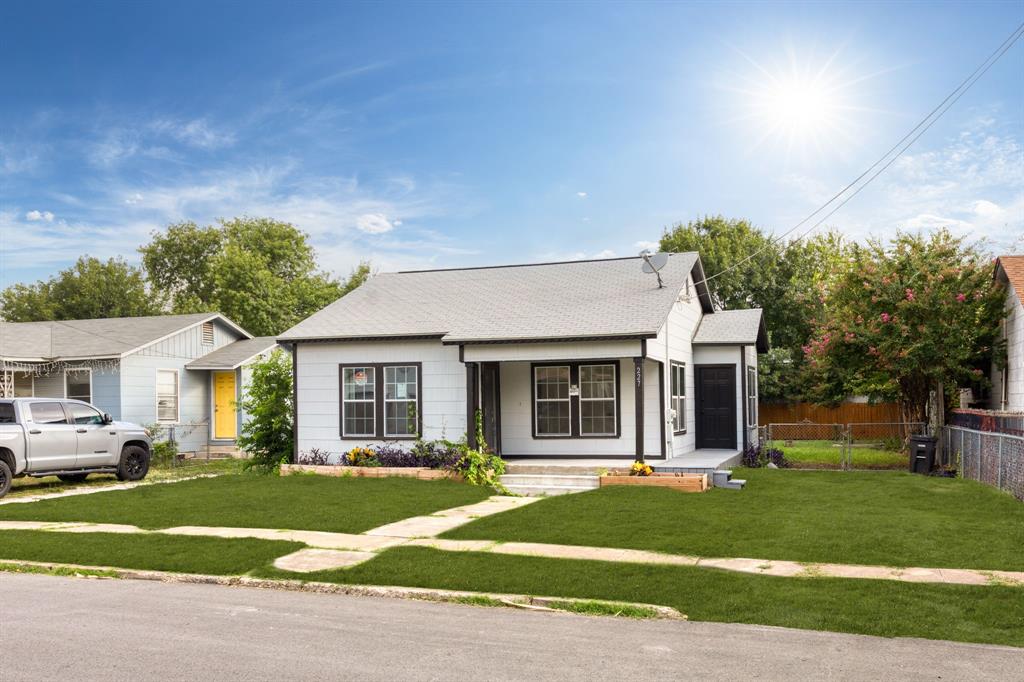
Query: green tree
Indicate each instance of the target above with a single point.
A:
(906, 316)
(268, 434)
(260, 272)
(91, 288)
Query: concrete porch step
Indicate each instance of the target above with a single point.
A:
(556, 469)
(536, 491)
(549, 484)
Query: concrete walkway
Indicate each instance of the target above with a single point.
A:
(90, 489)
(330, 551)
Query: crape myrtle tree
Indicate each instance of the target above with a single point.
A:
(908, 317)
(267, 434)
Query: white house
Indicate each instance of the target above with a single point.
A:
(582, 359)
(1008, 383)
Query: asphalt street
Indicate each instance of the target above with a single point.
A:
(80, 629)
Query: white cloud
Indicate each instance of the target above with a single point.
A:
(196, 133)
(581, 195)
(987, 209)
(133, 199)
(653, 246)
(35, 216)
(374, 223)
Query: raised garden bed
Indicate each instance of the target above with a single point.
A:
(686, 483)
(422, 473)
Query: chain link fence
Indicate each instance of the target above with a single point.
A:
(996, 459)
(861, 445)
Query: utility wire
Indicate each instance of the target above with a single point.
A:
(925, 123)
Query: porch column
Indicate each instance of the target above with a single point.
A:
(472, 401)
(638, 384)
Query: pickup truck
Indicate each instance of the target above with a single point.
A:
(69, 439)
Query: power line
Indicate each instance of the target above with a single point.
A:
(922, 127)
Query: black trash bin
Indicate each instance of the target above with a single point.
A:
(922, 454)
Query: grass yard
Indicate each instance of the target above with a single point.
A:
(824, 454)
(26, 486)
(177, 553)
(988, 614)
(884, 518)
(298, 502)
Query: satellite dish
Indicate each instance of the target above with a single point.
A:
(653, 263)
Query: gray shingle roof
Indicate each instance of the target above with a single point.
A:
(234, 354)
(92, 338)
(521, 302)
(732, 327)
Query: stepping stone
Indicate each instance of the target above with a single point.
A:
(310, 560)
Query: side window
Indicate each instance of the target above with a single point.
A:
(83, 414)
(48, 413)
(7, 413)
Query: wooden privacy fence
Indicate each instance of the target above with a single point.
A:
(844, 413)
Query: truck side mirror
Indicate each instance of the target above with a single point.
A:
(107, 419)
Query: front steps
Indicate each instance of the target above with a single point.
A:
(722, 478)
(537, 479)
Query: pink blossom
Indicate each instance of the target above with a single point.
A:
(977, 372)
(961, 297)
(886, 317)
(850, 336)
(910, 294)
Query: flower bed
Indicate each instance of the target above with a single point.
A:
(687, 483)
(421, 473)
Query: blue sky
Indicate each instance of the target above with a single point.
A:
(430, 135)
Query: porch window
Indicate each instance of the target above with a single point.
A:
(167, 396)
(553, 409)
(78, 384)
(679, 397)
(359, 401)
(401, 387)
(597, 400)
(751, 396)
(17, 384)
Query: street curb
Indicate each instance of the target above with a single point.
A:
(520, 601)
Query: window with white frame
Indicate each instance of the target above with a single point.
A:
(78, 383)
(401, 388)
(751, 396)
(678, 385)
(167, 402)
(553, 411)
(597, 400)
(359, 401)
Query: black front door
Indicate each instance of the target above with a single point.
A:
(716, 406)
(490, 405)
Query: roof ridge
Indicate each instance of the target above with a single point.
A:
(528, 265)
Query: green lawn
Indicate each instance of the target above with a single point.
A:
(824, 454)
(885, 518)
(177, 553)
(26, 486)
(343, 505)
(875, 607)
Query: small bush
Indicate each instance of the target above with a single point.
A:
(315, 457)
(163, 453)
(758, 455)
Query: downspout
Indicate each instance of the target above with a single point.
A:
(743, 396)
(295, 403)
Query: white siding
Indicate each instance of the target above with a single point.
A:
(674, 344)
(1014, 355)
(729, 355)
(539, 352)
(443, 386)
(517, 421)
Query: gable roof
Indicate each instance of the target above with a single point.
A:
(234, 354)
(557, 301)
(1011, 269)
(98, 338)
(733, 327)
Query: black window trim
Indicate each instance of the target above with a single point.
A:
(574, 400)
(378, 400)
(672, 396)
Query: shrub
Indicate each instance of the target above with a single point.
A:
(479, 467)
(267, 435)
(758, 455)
(164, 452)
(315, 457)
(640, 469)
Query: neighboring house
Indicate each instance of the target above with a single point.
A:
(577, 359)
(1008, 383)
(181, 371)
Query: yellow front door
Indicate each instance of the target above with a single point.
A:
(225, 420)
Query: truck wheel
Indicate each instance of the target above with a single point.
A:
(134, 464)
(72, 478)
(6, 477)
